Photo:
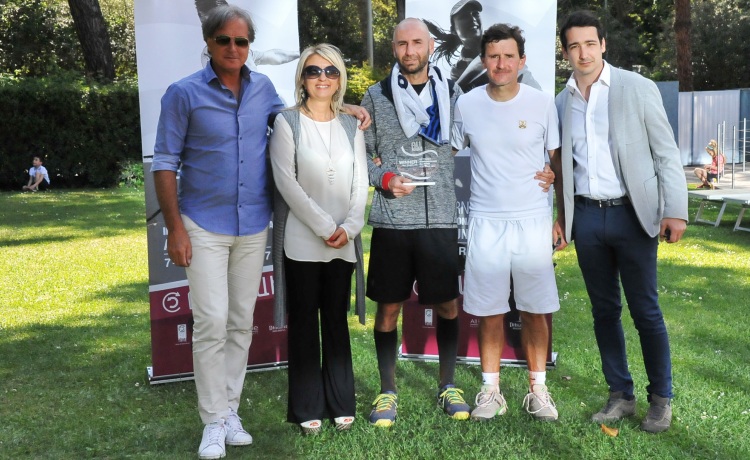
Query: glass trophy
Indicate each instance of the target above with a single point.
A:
(420, 167)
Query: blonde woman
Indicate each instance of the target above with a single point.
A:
(320, 171)
(710, 172)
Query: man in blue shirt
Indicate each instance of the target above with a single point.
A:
(213, 128)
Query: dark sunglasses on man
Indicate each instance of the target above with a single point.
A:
(223, 40)
(312, 71)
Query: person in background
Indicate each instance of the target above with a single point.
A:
(620, 187)
(320, 170)
(38, 176)
(709, 173)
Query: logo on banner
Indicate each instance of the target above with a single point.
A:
(428, 314)
(171, 302)
(182, 332)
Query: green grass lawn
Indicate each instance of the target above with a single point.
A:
(75, 343)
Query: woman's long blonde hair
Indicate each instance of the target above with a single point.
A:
(331, 54)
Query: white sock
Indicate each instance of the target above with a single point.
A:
(491, 378)
(537, 378)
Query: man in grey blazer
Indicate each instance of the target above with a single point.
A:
(620, 188)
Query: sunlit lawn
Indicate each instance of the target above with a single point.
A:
(75, 343)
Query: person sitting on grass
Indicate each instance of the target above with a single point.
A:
(38, 177)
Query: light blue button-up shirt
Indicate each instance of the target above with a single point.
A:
(219, 146)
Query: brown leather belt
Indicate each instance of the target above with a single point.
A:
(603, 203)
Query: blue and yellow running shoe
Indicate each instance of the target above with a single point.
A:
(383, 412)
(450, 400)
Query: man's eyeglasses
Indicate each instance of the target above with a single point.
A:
(313, 71)
(223, 40)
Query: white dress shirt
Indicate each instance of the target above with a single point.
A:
(594, 171)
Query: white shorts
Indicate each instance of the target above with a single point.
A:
(497, 249)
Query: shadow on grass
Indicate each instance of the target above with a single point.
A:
(10, 242)
(83, 380)
(130, 292)
(83, 213)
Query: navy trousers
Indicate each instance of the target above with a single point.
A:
(613, 250)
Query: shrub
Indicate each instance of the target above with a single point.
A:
(131, 174)
(83, 131)
(359, 78)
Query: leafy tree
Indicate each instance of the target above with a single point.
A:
(343, 22)
(39, 37)
(34, 41)
(720, 48)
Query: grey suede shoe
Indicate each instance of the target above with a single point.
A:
(659, 415)
(617, 408)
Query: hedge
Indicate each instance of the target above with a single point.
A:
(84, 132)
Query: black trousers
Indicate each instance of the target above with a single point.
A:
(321, 385)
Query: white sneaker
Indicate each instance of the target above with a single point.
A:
(212, 444)
(236, 435)
(539, 404)
(489, 403)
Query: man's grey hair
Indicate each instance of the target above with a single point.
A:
(220, 15)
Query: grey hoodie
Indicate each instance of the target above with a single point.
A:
(430, 206)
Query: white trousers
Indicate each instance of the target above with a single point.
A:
(224, 277)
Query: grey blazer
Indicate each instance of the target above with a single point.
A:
(645, 155)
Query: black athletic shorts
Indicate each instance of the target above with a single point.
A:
(399, 257)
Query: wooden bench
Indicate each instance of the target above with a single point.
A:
(744, 201)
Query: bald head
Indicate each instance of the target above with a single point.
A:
(412, 24)
(412, 47)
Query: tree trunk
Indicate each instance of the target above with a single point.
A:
(92, 33)
(400, 10)
(684, 48)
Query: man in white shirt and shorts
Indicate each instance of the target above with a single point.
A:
(510, 128)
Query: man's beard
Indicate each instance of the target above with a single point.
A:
(422, 64)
